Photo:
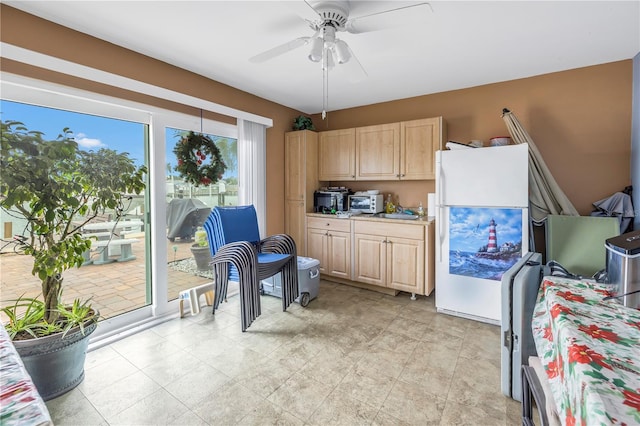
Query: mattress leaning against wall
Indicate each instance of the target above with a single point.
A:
(520, 286)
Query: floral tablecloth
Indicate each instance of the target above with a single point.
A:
(590, 350)
(20, 402)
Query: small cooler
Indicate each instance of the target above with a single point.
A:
(308, 281)
(623, 267)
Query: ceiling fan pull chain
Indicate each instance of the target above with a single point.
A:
(325, 84)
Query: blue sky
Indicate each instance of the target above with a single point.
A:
(91, 132)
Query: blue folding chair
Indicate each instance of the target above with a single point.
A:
(239, 254)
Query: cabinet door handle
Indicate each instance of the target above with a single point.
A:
(402, 175)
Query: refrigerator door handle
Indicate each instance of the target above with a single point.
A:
(439, 206)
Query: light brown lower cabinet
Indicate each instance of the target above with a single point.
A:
(390, 255)
(373, 254)
(329, 241)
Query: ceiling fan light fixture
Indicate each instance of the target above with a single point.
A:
(342, 52)
(328, 61)
(317, 46)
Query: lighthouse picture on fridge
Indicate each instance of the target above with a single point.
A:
(484, 242)
(482, 227)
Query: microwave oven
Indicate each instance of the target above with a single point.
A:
(366, 203)
(326, 201)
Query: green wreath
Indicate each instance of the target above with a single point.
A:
(199, 159)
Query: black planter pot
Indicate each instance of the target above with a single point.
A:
(56, 364)
(202, 256)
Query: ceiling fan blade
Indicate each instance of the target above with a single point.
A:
(376, 21)
(305, 11)
(279, 50)
(354, 69)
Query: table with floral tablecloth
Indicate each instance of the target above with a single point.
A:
(590, 350)
(20, 402)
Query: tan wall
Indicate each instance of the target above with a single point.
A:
(580, 121)
(24, 30)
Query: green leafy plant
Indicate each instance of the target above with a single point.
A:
(303, 123)
(30, 322)
(76, 314)
(57, 188)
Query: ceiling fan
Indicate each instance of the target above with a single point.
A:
(326, 19)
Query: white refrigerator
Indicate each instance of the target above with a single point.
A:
(482, 226)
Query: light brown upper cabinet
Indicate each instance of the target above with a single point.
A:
(419, 141)
(336, 155)
(394, 151)
(378, 152)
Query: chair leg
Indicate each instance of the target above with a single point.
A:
(527, 415)
(290, 288)
(242, 255)
(194, 301)
(181, 307)
(208, 296)
(531, 388)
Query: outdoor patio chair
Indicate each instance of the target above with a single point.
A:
(238, 253)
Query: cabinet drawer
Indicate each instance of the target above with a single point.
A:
(329, 224)
(413, 232)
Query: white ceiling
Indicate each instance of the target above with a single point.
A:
(449, 45)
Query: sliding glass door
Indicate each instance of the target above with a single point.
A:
(188, 206)
(116, 275)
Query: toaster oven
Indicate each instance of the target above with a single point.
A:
(366, 203)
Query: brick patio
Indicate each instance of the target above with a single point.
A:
(115, 287)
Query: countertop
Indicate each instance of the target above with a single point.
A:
(368, 217)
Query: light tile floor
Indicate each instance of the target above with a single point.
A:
(352, 357)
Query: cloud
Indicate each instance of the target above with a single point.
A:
(86, 142)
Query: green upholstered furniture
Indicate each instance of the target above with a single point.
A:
(577, 242)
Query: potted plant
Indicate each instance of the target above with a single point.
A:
(302, 122)
(200, 250)
(57, 188)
